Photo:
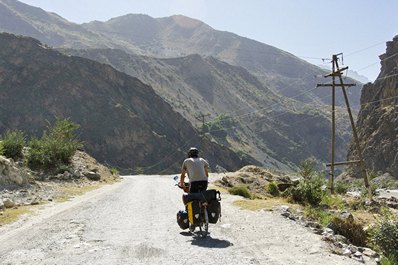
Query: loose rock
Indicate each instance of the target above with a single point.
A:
(8, 203)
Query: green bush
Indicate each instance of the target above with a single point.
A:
(13, 143)
(306, 169)
(219, 126)
(56, 147)
(392, 260)
(114, 171)
(309, 190)
(384, 235)
(272, 189)
(318, 214)
(351, 230)
(241, 191)
(139, 171)
(333, 202)
(1, 148)
(342, 187)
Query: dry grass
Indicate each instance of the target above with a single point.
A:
(364, 218)
(11, 215)
(266, 204)
(219, 188)
(70, 190)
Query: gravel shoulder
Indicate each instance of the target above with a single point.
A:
(134, 222)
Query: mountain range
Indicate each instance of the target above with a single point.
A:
(250, 97)
(124, 123)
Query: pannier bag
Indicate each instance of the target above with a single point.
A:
(193, 209)
(182, 219)
(214, 211)
(208, 195)
(193, 197)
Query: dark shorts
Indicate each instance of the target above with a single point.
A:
(198, 186)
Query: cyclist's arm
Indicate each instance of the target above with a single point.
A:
(182, 177)
(206, 166)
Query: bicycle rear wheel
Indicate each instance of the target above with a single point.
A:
(204, 226)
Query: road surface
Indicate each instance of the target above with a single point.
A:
(134, 222)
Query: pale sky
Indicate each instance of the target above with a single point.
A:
(309, 29)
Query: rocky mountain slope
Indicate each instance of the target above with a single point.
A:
(378, 118)
(123, 122)
(244, 115)
(174, 36)
(236, 80)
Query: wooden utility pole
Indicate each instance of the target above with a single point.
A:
(337, 72)
(201, 117)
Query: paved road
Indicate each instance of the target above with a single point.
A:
(133, 222)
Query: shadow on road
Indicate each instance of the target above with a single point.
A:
(210, 242)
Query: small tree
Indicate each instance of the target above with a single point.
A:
(306, 169)
(56, 147)
(384, 235)
(13, 142)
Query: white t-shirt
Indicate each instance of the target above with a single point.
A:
(195, 167)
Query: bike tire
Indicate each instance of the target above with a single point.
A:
(204, 226)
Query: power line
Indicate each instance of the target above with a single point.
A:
(364, 49)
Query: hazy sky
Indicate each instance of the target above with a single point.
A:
(310, 29)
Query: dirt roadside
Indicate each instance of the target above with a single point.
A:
(133, 222)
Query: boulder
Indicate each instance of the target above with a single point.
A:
(10, 174)
(92, 175)
(347, 216)
(369, 252)
(8, 203)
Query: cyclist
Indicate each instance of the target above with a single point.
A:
(197, 170)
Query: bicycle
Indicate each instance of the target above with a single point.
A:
(197, 208)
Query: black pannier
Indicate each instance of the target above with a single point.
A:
(196, 196)
(208, 195)
(182, 219)
(211, 195)
(214, 211)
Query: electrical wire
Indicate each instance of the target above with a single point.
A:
(284, 113)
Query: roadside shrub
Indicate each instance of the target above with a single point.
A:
(309, 190)
(60, 169)
(384, 235)
(389, 260)
(13, 142)
(241, 191)
(357, 204)
(333, 202)
(56, 147)
(342, 187)
(1, 148)
(350, 229)
(272, 189)
(365, 191)
(319, 215)
(114, 171)
(306, 169)
(139, 170)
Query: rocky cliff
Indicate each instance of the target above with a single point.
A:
(378, 118)
(123, 122)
